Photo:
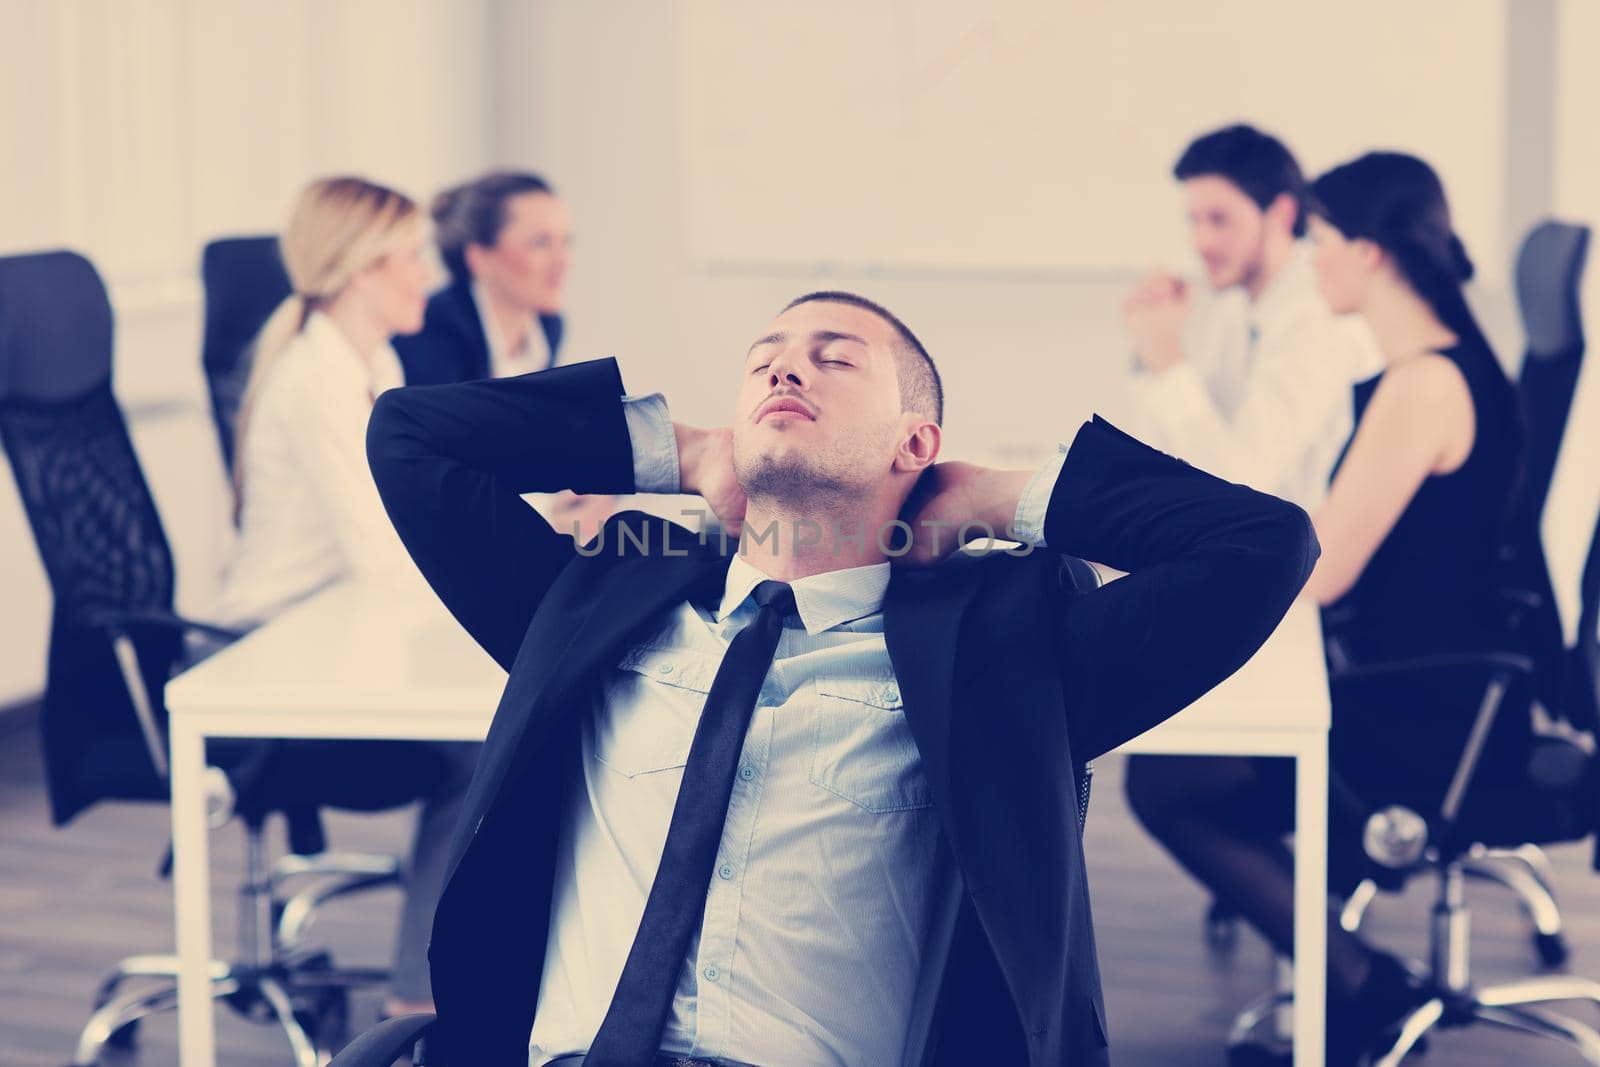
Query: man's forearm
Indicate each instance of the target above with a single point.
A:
(1000, 497)
(1121, 503)
(694, 447)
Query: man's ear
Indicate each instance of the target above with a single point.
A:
(474, 255)
(919, 445)
(1282, 212)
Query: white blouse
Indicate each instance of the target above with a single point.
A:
(504, 361)
(310, 512)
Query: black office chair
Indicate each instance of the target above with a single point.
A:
(244, 282)
(406, 1036)
(114, 642)
(1551, 795)
(1556, 799)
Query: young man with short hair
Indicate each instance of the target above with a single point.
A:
(1260, 392)
(809, 798)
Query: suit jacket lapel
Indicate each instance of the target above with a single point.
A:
(590, 617)
(922, 619)
(467, 325)
(553, 327)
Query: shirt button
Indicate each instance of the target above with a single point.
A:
(891, 694)
(712, 974)
(725, 871)
(665, 668)
(747, 773)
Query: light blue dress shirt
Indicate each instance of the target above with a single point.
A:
(829, 914)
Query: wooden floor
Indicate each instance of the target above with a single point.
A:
(73, 901)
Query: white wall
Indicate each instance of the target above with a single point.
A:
(841, 132)
(139, 129)
(606, 124)
(1574, 503)
(1026, 353)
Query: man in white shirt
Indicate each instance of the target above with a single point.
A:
(1258, 391)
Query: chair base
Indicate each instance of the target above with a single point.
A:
(278, 978)
(305, 995)
(1513, 1005)
(334, 874)
(1445, 993)
(1525, 870)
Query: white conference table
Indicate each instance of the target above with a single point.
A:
(387, 661)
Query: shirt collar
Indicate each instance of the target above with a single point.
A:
(499, 354)
(823, 600)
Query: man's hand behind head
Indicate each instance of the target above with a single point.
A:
(956, 502)
(705, 466)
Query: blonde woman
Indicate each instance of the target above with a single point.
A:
(308, 511)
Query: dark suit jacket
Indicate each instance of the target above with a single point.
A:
(1009, 682)
(451, 346)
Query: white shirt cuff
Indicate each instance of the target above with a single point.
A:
(655, 445)
(1028, 525)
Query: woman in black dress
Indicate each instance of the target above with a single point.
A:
(1410, 533)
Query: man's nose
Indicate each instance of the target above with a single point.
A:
(787, 370)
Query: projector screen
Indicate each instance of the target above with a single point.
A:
(1038, 138)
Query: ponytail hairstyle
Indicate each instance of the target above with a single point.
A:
(474, 213)
(339, 227)
(1397, 202)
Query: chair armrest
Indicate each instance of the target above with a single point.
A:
(1496, 660)
(384, 1043)
(119, 627)
(1501, 668)
(122, 621)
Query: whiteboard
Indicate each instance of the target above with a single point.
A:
(1039, 137)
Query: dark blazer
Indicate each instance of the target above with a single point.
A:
(1008, 682)
(451, 346)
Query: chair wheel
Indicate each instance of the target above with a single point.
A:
(1552, 949)
(125, 1036)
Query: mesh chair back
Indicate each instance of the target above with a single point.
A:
(93, 519)
(1549, 273)
(244, 282)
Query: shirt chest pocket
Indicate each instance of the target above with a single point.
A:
(861, 746)
(650, 708)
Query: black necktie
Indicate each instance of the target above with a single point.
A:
(631, 1032)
